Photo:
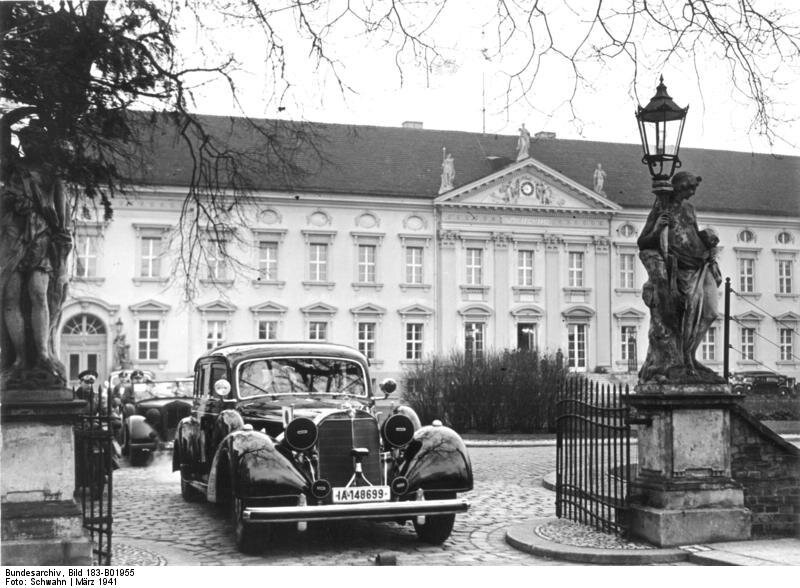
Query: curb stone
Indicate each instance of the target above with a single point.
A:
(524, 538)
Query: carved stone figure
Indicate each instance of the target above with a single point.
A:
(34, 244)
(121, 349)
(599, 179)
(523, 143)
(681, 290)
(448, 174)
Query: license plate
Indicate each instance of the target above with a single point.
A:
(362, 494)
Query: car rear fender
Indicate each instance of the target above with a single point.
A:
(248, 464)
(437, 459)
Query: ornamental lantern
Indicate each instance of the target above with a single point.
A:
(660, 128)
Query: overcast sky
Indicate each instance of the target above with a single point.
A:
(455, 94)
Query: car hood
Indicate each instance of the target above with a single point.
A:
(161, 402)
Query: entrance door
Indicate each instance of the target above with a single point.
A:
(83, 346)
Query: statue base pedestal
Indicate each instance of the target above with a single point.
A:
(684, 492)
(41, 522)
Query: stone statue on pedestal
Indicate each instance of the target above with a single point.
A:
(34, 244)
(681, 290)
(448, 173)
(523, 143)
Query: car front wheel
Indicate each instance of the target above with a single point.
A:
(436, 528)
(248, 536)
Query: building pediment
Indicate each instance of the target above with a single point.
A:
(217, 306)
(528, 184)
(268, 307)
(319, 308)
(417, 310)
(149, 306)
(368, 309)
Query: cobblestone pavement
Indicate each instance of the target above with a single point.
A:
(154, 526)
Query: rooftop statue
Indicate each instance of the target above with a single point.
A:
(599, 179)
(34, 244)
(448, 174)
(681, 290)
(523, 143)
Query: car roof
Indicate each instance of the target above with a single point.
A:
(234, 352)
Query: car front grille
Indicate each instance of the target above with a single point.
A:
(338, 435)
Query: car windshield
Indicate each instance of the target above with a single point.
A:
(163, 389)
(301, 375)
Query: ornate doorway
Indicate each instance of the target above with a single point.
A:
(84, 346)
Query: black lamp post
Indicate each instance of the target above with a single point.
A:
(660, 128)
(118, 327)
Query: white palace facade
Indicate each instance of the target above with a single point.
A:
(379, 251)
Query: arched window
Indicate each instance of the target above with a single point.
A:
(84, 324)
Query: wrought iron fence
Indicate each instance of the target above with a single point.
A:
(95, 456)
(593, 454)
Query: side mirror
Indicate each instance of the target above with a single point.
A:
(388, 386)
(222, 388)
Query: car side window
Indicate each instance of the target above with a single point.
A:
(217, 371)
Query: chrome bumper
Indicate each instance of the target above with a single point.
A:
(366, 510)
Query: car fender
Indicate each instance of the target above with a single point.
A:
(186, 449)
(139, 430)
(248, 464)
(437, 459)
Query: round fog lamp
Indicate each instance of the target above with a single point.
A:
(399, 485)
(321, 488)
(301, 434)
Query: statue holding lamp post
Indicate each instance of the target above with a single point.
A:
(683, 492)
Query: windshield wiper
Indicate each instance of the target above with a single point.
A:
(272, 394)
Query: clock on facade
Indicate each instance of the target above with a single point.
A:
(527, 188)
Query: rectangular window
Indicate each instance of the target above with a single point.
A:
(575, 269)
(215, 258)
(151, 257)
(414, 341)
(267, 330)
(474, 266)
(748, 341)
(626, 268)
(709, 345)
(318, 262)
(366, 339)
(527, 336)
(525, 268)
(628, 342)
(366, 264)
(317, 331)
(784, 276)
(215, 333)
(268, 260)
(747, 268)
(86, 256)
(576, 346)
(473, 338)
(413, 265)
(148, 339)
(787, 349)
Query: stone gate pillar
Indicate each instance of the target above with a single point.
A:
(683, 492)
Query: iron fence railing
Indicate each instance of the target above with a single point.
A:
(593, 454)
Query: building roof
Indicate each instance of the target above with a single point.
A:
(406, 162)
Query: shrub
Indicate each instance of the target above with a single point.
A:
(508, 391)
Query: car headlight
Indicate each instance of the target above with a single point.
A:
(398, 430)
(301, 434)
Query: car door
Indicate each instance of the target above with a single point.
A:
(209, 405)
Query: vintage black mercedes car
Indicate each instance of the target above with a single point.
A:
(150, 421)
(287, 432)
